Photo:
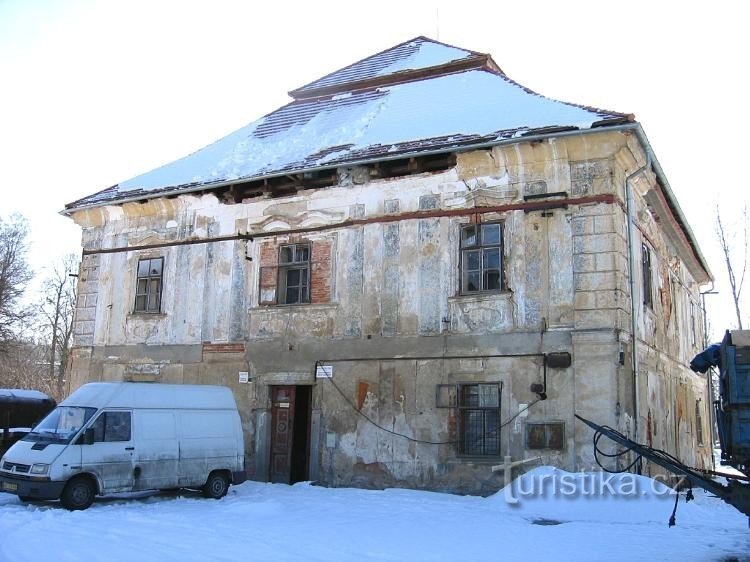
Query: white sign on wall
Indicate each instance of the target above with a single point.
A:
(244, 376)
(324, 372)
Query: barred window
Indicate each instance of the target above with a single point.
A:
(545, 435)
(479, 419)
(481, 258)
(294, 274)
(148, 285)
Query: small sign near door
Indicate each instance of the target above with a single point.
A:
(324, 372)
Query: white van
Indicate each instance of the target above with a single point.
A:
(122, 437)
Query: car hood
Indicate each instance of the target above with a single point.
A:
(23, 452)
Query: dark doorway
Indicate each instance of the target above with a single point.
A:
(290, 433)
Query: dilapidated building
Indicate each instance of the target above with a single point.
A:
(395, 268)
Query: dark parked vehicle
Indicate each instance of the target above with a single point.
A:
(20, 410)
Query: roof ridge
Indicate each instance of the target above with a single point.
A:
(325, 84)
(481, 62)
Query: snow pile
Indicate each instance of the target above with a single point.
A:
(585, 518)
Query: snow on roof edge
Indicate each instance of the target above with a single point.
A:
(72, 207)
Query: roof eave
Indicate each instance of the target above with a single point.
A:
(673, 204)
(180, 190)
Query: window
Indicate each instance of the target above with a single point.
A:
(646, 267)
(481, 258)
(148, 285)
(693, 329)
(112, 426)
(479, 419)
(545, 435)
(294, 274)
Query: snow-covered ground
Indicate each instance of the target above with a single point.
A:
(548, 514)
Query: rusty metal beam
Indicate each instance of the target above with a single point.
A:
(528, 206)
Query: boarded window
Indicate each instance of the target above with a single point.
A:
(148, 285)
(648, 299)
(481, 258)
(479, 419)
(545, 435)
(445, 396)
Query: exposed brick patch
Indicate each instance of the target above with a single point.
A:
(235, 347)
(320, 276)
(269, 260)
(362, 388)
(269, 254)
(320, 272)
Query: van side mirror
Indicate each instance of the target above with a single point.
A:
(87, 438)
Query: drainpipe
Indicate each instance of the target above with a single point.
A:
(709, 374)
(631, 272)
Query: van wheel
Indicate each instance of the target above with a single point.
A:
(25, 499)
(78, 494)
(216, 486)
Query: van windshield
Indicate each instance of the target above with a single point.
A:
(61, 425)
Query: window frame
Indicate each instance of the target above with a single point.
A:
(489, 449)
(693, 324)
(647, 278)
(546, 425)
(148, 278)
(480, 247)
(104, 416)
(285, 267)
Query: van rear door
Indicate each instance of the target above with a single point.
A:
(110, 456)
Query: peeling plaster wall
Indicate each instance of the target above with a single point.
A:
(393, 292)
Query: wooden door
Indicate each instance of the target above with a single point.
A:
(282, 432)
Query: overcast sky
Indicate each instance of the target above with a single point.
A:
(93, 93)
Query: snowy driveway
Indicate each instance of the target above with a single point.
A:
(259, 521)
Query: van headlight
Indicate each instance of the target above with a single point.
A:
(39, 468)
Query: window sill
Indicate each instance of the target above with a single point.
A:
(147, 315)
(479, 297)
(300, 306)
(473, 459)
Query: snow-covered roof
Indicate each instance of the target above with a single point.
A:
(420, 96)
(22, 394)
(416, 54)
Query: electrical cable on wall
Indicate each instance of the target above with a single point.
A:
(423, 441)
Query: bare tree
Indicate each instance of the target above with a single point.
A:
(56, 316)
(23, 364)
(14, 275)
(735, 269)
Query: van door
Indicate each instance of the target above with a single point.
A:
(110, 456)
(157, 453)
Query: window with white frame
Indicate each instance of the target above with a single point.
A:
(481, 258)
